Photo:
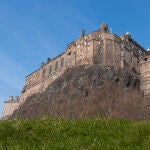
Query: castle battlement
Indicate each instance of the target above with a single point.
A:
(97, 48)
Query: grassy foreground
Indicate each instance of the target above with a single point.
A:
(70, 134)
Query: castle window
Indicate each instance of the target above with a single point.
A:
(88, 47)
(121, 45)
(85, 43)
(121, 53)
(145, 59)
(50, 69)
(99, 42)
(56, 66)
(62, 62)
(108, 46)
(43, 74)
(99, 52)
(78, 46)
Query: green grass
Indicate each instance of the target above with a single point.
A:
(78, 134)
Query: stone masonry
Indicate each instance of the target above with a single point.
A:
(97, 48)
(10, 105)
(145, 76)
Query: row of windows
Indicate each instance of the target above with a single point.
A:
(85, 43)
(56, 66)
(133, 48)
(11, 109)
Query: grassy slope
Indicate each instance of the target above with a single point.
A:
(74, 134)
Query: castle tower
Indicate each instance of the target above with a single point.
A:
(82, 34)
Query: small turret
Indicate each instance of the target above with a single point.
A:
(148, 51)
(128, 35)
(82, 34)
(104, 27)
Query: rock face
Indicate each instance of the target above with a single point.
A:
(89, 90)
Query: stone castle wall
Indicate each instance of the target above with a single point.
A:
(98, 48)
(10, 105)
(145, 76)
(77, 53)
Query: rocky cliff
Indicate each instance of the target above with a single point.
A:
(89, 90)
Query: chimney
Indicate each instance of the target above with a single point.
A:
(17, 98)
(11, 98)
(83, 34)
(104, 27)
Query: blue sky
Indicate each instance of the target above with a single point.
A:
(32, 30)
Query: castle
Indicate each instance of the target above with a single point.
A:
(97, 48)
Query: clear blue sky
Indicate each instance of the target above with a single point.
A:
(32, 30)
